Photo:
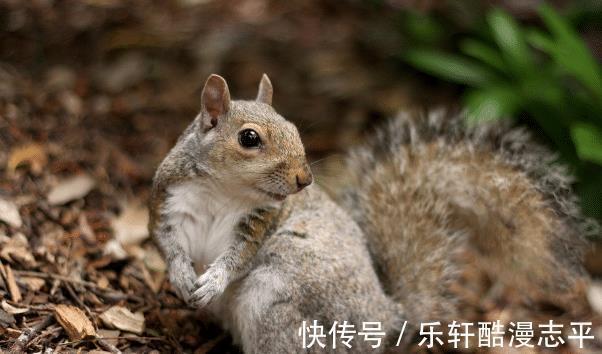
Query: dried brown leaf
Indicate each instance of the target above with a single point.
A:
(131, 227)
(32, 154)
(13, 288)
(71, 189)
(9, 213)
(121, 318)
(33, 283)
(74, 321)
(13, 310)
(17, 249)
(109, 335)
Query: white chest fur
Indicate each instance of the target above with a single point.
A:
(203, 220)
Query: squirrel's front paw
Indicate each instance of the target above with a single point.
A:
(209, 285)
(182, 279)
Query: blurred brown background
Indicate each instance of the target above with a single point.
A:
(135, 68)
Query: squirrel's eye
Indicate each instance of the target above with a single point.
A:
(249, 139)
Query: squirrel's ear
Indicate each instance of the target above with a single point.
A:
(215, 101)
(265, 92)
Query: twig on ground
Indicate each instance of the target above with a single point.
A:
(108, 346)
(28, 273)
(206, 347)
(51, 332)
(27, 336)
(107, 294)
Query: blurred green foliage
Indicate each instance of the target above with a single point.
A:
(545, 76)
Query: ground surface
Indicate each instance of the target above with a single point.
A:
(92, 95)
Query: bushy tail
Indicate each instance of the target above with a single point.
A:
(427, 187)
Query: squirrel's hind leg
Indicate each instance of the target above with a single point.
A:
(264, 319)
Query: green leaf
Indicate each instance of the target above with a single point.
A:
(484, 53)
(450, 67)
(543, 87)
(511, 41)
(588, 141)
(491, 103)
(570, 52)
(540, 40)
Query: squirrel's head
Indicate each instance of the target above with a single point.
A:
(249, 149)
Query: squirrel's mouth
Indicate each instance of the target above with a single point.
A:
(276, 196)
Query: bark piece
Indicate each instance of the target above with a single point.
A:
(71, 189)
(121, 318)
(109, 335)
(33, 155)
(9, 213)
(13, 288)
(131, 227)
(74, 321)
(12, 309)
(17, 249)
(33, 283)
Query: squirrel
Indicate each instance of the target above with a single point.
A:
(234, 200)
(231, 165)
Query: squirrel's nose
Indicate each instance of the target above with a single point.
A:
(303, 180)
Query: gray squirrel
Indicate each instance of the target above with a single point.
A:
(247, 235)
